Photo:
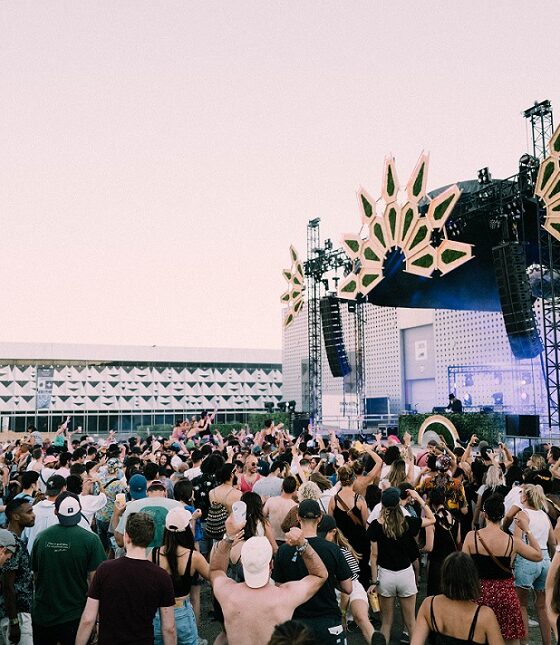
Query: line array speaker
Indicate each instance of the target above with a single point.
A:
(516, 300)
(333, 336)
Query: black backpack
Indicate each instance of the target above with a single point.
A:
(202, 485)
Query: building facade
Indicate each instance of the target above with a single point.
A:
(415, 357)
(126, 388)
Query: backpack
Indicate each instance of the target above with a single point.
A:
(202, 485)
(216, 521)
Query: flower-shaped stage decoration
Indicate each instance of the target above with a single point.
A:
(548, 186)
(293, 298)
(403, 227)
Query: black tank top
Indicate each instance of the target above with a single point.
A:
(486, 566)
(437, 638)
(182, 585)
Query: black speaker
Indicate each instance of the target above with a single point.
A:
(523, 425)
(516, 300)
(333, 336)
(299, 425)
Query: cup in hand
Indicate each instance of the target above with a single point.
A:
(239, 511)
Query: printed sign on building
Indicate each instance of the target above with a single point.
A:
(44, 387)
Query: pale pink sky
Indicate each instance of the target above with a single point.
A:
(158, 158)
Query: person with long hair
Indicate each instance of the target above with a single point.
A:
(350, 513)
(357, 601)
(441, 540)
(494, 482)
(398, 473)
(532, 575)
(256, 525)
(393, 542)
(180, 559)
(445, 619)
(492, 551)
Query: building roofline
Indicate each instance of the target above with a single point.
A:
(78, 353)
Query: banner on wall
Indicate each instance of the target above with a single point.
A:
(44, 387)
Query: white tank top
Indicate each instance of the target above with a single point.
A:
(539, 525)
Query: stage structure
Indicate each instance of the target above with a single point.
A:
(485, 244)
(548, 189)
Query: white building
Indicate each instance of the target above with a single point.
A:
(124, 388)
(416, 357)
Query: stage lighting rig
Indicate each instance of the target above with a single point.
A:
(484, 176)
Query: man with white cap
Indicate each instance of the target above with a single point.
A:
(64, 557)
(253, 608)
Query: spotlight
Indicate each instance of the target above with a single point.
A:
(497, 378)
(484, 176)
(526, 378)
(469, 381)
(269, 406)
(291, 406)
(281, 405)
(524, 396)
(468, 398)
(328, 244)
(498, 398)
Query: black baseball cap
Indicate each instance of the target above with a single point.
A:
(55, 484)
(309, 509)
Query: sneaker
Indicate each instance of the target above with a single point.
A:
(405, 638)
(378, 639)
(202, 641)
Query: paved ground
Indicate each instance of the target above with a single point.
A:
(210, 628)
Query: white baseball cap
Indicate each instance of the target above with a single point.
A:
(256, 555)
(177, 520)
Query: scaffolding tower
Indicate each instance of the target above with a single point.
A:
(542, 128)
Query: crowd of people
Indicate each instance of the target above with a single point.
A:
(299, 540)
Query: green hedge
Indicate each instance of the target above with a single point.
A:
(489, 427)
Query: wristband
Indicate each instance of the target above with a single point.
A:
(301, 549)
(228, 539)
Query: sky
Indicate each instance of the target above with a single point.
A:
(157, 159)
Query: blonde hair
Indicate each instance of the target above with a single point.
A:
(538, 462)
(397, 473)
(308, 490)
(494, 477)
(394, 522)
(342, 542)
(534, 494)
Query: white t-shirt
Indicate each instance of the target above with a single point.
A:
(191, 473)
(45, 517)
(539, 525)
(376, 512)
(91, 504)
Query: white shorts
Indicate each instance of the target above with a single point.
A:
(358, 592)
(25, 626)
(396, 583)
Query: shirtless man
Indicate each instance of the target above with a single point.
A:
(253, 608)
(276, 508)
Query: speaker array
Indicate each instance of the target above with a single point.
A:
(333, 337)
(516, 300)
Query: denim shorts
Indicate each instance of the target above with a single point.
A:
(185, 624)
(531, 575)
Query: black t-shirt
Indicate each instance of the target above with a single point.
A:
(129, 592)
(324, 602)
(542, 477)
(392, 554)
